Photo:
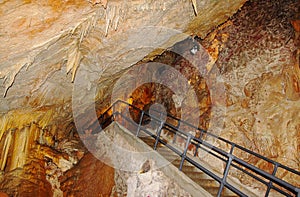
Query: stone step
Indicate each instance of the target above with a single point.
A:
(186, 168)
(149, 141)
(199, 177)
(206, 182)
(214, 191)
(178, 161)
(195, 174)
(171, 158)
(166, 152)
(211, 185)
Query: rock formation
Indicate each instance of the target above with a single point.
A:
(61, 61)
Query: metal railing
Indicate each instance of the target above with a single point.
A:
(232, 161)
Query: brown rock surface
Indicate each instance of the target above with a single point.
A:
(40, 43)
(90, 177)
(256, 52)
(29, 181)
(2, 194)
(258, 62)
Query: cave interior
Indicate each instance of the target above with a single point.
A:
(230, 68)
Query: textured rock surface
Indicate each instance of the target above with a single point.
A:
(153, 184)
(41, 42)
(34, 157)
(257, 55)
(256, 51)
(128, 155)
(90, 177)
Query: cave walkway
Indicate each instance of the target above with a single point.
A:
(121, 112)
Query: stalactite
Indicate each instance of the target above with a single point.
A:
(34, 134)
(10, 74)
(194, 2)
(107, 20)
(18, 154)
(5, 149)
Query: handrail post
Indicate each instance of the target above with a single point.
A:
(125, 110)
(140, 124)
(196, 151)
(226, 170)
(185, 151)
(158, 134)
(113, 110)
(270, 182)
(101, 121)
(199, 143)
(122, 120)
(175, 136)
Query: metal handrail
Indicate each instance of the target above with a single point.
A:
(231, 160)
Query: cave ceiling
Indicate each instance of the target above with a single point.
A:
(44, 43)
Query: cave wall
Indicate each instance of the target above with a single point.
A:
(257, 53)
(48, 45)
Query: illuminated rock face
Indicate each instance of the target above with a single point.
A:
(256, 51)
(88, 178)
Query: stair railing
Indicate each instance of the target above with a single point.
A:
(232, 161)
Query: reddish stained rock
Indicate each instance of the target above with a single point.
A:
(90, 177)
(2, 194)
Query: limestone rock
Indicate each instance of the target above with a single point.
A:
(90, 177)
(153, 183)
(45, 46)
